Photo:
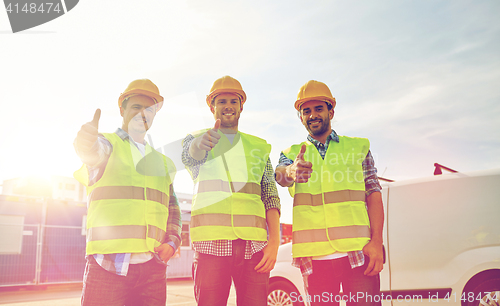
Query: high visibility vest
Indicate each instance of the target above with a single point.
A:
(329, 211)
(128, 205)
(227, 201)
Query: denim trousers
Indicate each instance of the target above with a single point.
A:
(213, 274)
(144, 284)
(358, 289)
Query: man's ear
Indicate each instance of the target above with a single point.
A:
(212, 109)
(121, 111)
(158, 106)
(332, 113)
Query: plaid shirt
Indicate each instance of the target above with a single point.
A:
(356, 258)
(119, 263)
(269, 196)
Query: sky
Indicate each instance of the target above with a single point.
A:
(419, 79)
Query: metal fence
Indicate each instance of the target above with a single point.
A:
(48, 255)
(51, 254)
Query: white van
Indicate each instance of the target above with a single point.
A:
(442, 242)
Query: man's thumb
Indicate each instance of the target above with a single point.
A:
(97, 116)
(217, 124)
(302, 151)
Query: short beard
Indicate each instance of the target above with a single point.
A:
(234, 123)
(322, 129)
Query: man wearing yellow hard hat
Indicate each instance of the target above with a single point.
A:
(235, 200)
(133, 221)
(338, 212)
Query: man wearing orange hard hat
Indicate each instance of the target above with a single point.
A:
(338, 212)
(235, 201)
(133, 222)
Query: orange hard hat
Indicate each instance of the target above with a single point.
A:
(226, 84)
(314, 90)
(141, 87)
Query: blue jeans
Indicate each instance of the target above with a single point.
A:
(358, 289)
(145, 284)
(213, 274)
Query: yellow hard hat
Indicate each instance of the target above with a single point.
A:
(314, 90)
(141, 87)
(226, 84)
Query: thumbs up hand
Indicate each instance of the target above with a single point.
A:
(87, 135)
(210, 139)
(300, 170)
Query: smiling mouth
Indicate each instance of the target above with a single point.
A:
(228, 113)
(315, 122)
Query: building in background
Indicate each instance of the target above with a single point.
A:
(286, 233)
(55, 187)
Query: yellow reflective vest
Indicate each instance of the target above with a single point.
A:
(128, 205)
(329, 211)
(227, 201)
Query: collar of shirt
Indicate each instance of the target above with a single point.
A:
(124, 135)
(323, 147)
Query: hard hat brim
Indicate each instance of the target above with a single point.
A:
(326, 99)
(158, 99)
(238, 92)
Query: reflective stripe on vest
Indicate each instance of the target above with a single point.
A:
(225, 220)
(334, 233)
(330, 197)
(125, 232)
(220, 185)
(128, 192)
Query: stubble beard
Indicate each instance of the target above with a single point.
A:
(233, 122)
(319, 131)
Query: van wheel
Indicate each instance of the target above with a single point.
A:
(283, 293)
(486, 293)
